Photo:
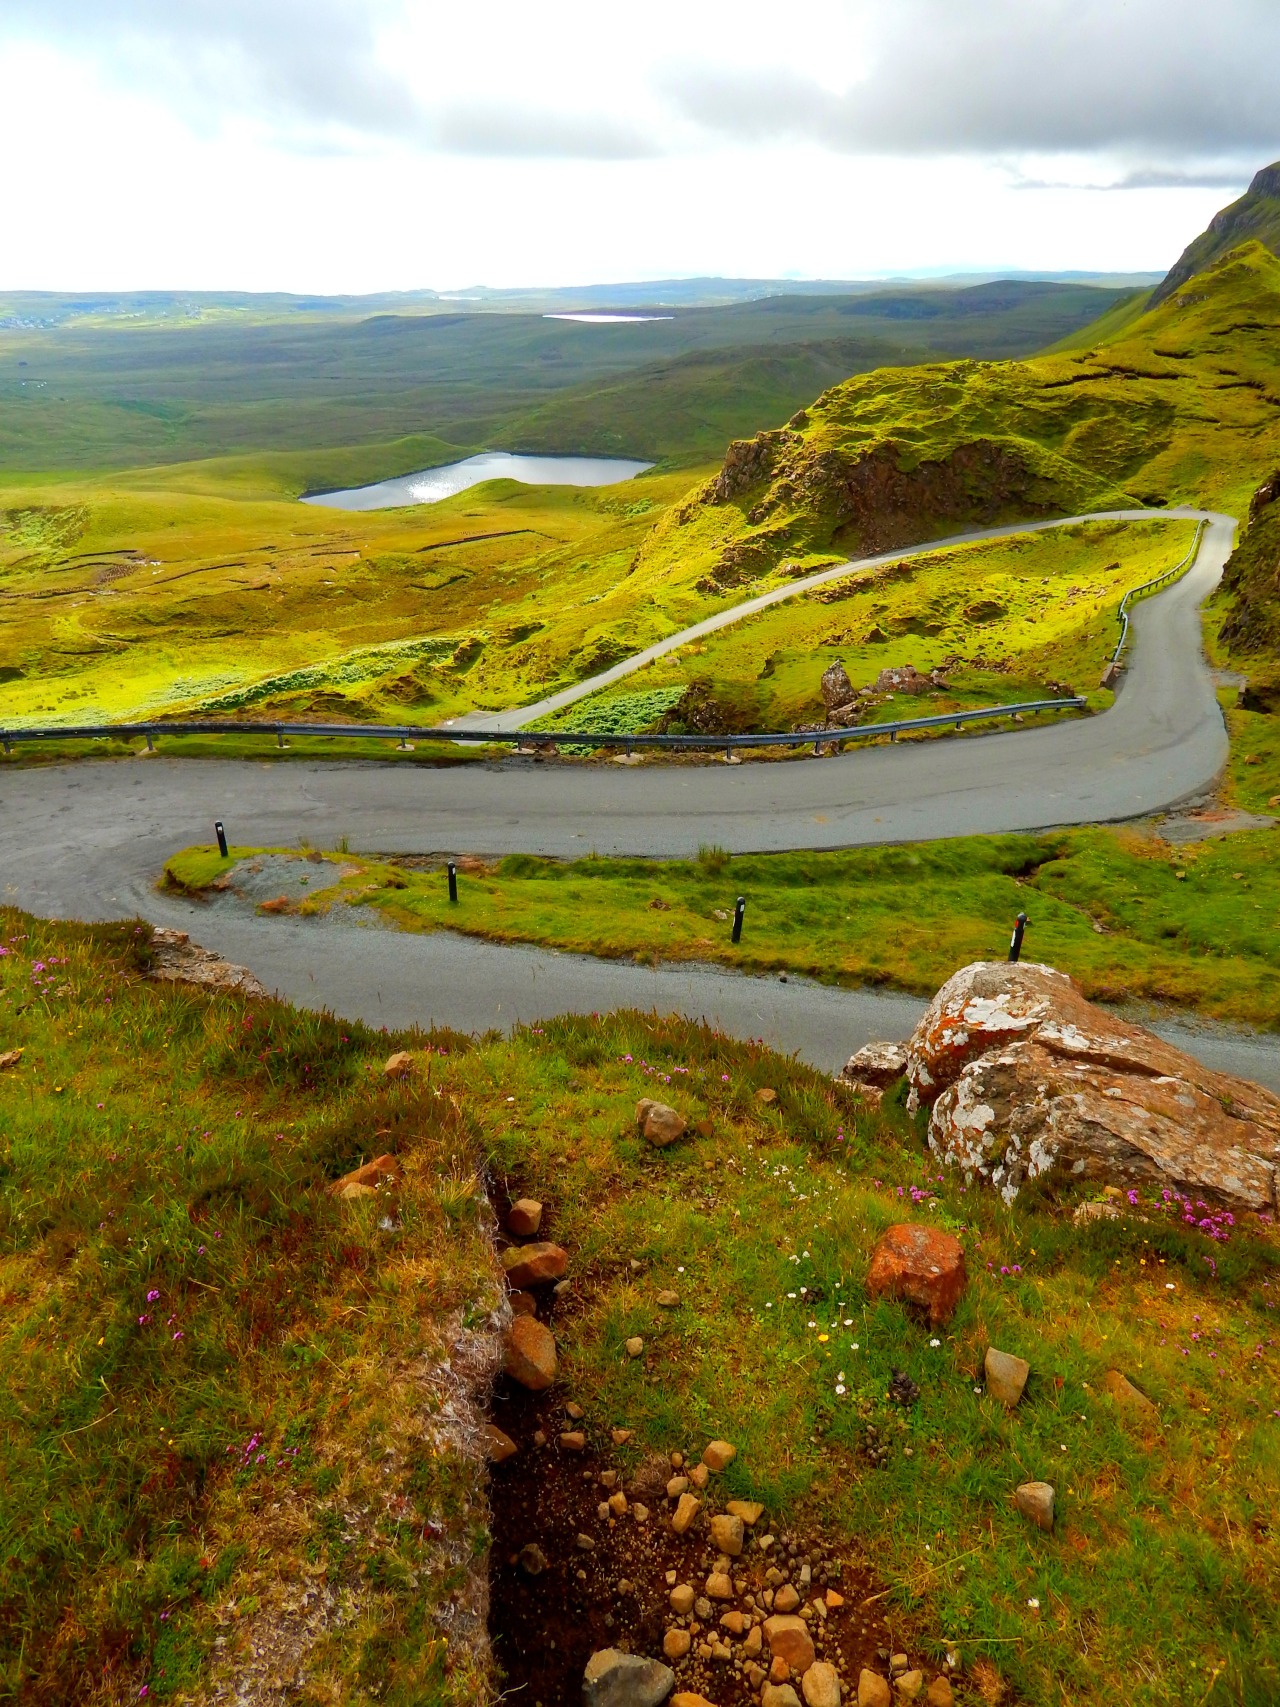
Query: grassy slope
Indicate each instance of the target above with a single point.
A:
(1009, 620)
(1124, 914)
(1182, 407)
(182, 1155)
(216, 1378)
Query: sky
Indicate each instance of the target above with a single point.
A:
(366, 145)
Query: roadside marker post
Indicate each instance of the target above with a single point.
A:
(221, 834)
(738, 912)
(1015, 947)
(453, 883)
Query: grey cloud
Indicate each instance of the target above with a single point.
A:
(1153, 83)
(307, 69)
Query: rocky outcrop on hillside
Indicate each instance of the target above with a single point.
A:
(1252, 577)
(1255, 217)
(175, 959)
(1023, 1077)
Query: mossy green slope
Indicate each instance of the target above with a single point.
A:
(1183, 407)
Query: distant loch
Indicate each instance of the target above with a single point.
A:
(433, 484)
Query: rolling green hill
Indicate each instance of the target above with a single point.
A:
(1183, 406)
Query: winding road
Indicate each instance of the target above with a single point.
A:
(86, 841)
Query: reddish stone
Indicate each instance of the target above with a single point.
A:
(529, 1353)
(921, 1265)
(524, 1217)
(531, 1265)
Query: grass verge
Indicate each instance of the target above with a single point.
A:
(1127, 915)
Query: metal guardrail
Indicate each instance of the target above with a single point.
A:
(1140, 592)
(534, 740)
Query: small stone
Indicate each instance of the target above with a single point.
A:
(635, 1346)
(940, 1693)
(539, 1439)
(1006, 1376)
(618, 1504)
(573, 1440)
(909, 1684)
(1123, 1391)
(834, 1599)
(698, 1474)
(529, 1353)
(575, 1413)
(779, 1695)
(677, 1460)
(608, 1478)
(398, 1066)
(382, 1173)
(533, 1561)
(687, 1508)
(523, 1304)
(873, 1690)
(756, 1676)
(533, 1265)
(754, 1641)
(898, 1662)
(750, 1511)
(603, 1512)
(1035, 1501)
(676, 1486)
(687, 1698)
(726, 1533)
(734, 1622)
(779, 1670)
(719, 1586)
(766, 1095)
(615, 1679)
(821, 1685)
(657, 1124)
(640, 1512)
(676, 1644)
(786, 1599)
(719, 1455)
(922, 1265)
(620, 1436)
(682, 1598)
(702, 1610)
(789, 1640)
(667, 1299)
(524, 1217)
(499, 1446)
(585, 1544)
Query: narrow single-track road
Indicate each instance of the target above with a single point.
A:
(87, 841)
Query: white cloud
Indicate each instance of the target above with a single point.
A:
(353, 144)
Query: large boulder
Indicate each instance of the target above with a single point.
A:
(1023, 1077)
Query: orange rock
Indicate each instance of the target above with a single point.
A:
(399, 1065)
(383, 1171)
(789, 1640)
(531, 1265)
(524, 1304)
(500, 1445)
(529, 1353)
(718, 1455)
(921, 1265)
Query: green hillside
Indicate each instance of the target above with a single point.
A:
(1254, 218)
(1182, 407)
(1251, 631)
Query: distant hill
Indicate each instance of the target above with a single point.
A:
(1255, 217)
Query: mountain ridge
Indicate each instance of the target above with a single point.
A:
(1254, 216)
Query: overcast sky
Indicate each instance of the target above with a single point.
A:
(353, 145)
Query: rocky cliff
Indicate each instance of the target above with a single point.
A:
(1254, 218)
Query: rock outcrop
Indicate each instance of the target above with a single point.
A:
(1024, 1077)
(175, 959)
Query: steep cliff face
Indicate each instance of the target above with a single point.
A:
(1254, 218)
(1252, 577)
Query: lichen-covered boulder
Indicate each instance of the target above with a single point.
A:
(1023, 1076)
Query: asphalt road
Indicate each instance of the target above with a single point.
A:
(86, 841)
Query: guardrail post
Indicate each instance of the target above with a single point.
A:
(8, 747)
(221, 834)
(150, 746)
(453, 883)
(1015, 946)
(279, 737)
(738, 913)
